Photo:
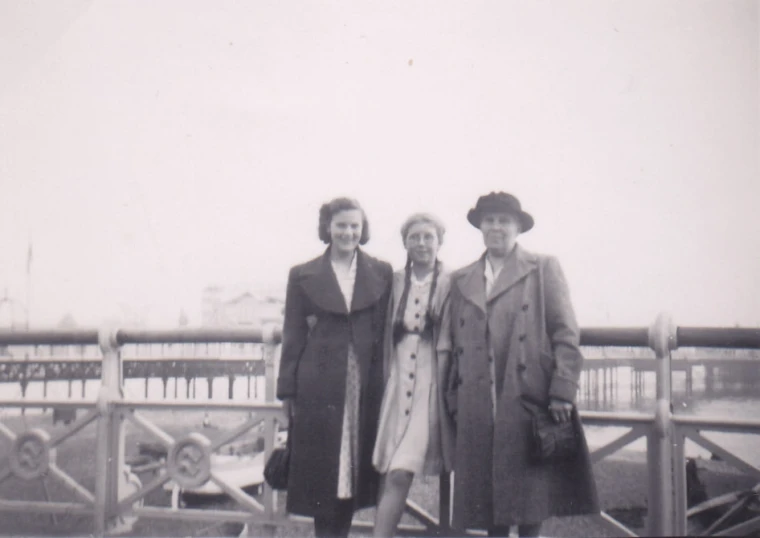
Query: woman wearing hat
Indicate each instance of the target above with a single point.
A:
(514, 338)
(415, 435)
(331, 378)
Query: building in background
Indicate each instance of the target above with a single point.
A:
(225, 307)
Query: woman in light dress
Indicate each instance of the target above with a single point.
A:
(415, 434)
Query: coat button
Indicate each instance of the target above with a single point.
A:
(490, 359)
(522, 337)
(406, 412)
(524, 307)
(417, 316)
(416, 301)
(411, 376)
(416, 328)
(461, 322)
(414, 356)
(409, 394)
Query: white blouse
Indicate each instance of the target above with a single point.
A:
(346, 279)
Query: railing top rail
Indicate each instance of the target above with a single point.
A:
(615, 336)
(716, 337)
(50, 337)
(254, 335)
(721, 337)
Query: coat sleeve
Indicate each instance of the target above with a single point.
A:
(563, 332)
(295, 330)
(388, 336)
(447, 361)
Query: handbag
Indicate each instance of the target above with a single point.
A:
(278, 465)
(550, 441)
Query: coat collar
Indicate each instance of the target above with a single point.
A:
(471, 279)
(321, 284)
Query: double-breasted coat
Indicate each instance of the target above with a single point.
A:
(317, 331)
(526, 333)
(439, 454)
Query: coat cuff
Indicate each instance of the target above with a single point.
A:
(563, 389)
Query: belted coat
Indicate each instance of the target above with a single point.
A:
(527, 334)
(317, 331)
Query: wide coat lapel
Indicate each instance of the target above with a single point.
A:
(321, 285)
(370, 284)
(516, 267)
(472, 284)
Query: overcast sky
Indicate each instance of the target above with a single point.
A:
(149, 149)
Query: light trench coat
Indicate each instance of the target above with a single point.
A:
(439, 456)
(527, 333)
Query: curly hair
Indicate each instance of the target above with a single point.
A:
(328, 211)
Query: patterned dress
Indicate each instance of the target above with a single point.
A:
(349, 442)
(405, 413)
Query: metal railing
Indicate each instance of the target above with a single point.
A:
(666, 432)
(116, 500)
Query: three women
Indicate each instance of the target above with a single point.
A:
(469, 345)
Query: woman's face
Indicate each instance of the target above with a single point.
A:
(422, 243)
(346, 229)
(500, 231)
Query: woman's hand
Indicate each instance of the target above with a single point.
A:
(560, 410)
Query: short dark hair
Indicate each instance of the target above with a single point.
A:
(336, 205)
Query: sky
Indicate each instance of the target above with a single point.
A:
(150, 149)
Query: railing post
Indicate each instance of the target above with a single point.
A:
(271, 427)
(444, 504)
(662, 338)
(111, 479)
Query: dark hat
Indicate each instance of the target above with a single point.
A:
(499, 202)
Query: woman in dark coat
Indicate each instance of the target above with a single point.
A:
(331, 371)
(514, 338)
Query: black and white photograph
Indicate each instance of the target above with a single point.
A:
(379, 268)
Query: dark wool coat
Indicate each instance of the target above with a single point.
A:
(316, 334)
(528, 328)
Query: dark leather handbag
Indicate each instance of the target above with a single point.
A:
(278, 465)
(552, 442)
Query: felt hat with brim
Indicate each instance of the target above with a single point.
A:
(499, 202)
